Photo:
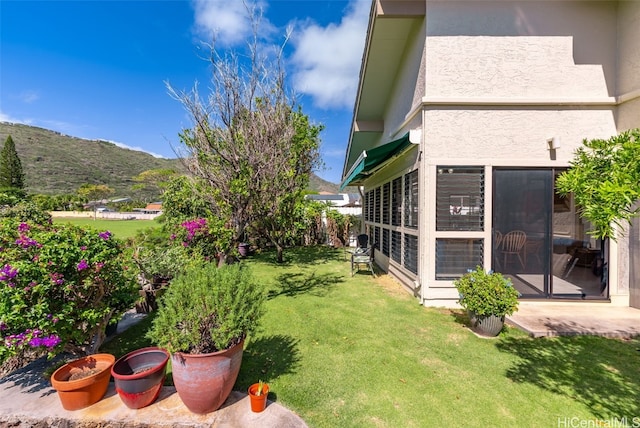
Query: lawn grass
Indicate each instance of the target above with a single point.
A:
(345, 351)
(122, 229)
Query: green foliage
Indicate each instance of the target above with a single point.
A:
(208, 309)
(95, 191)
(605, 180)
(183, 199)
(159, 257)
(11, 174)
(487, 293)
(26, 212)
(190, 221)
(62, 281)
(61, 202)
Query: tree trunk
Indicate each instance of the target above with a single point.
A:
(280, 253)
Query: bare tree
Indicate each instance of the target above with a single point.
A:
(249, 143)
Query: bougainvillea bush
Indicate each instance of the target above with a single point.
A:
(59, 286)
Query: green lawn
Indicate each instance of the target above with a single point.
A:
(361, 352)
(120, 228)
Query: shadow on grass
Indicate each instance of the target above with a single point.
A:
(302, 255)
(131, 339)
(292, 284)
(267, 358)
(598, 372)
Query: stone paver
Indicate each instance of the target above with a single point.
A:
(580, 318)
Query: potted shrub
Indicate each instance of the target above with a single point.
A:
(258, 396)
(488, 297)
(203, 319)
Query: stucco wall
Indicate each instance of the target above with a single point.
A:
(499, 46)
(517, 67)
(628, 51)
(512, 136)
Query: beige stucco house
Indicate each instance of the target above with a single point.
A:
(466, 112)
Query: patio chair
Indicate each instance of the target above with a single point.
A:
(363, 255)
(513, 244)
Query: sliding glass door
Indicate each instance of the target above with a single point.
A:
(539, 240)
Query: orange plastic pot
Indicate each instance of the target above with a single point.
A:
(83, 382)
(258, 402)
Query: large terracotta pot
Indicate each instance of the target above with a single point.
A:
(83, 382)
(204, 381)
(139, 376)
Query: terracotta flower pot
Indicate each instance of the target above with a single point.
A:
(83, 382)
(258, 402)
(139, 376)
(204, 381)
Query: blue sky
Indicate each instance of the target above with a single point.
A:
(97, 69)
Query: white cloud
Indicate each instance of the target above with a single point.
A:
(137, 149)
(225, 21)
(327, 59)
(29, 96)
(6, 118)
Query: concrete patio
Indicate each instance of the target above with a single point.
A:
(540, 319)
(28, 400)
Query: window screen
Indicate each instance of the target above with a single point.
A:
(460, 198)
(411, 200)
(411, 253)
(454, 257)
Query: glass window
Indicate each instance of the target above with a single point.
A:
(460, 198)
(396, 202)
(386, 241)
(377, 206)
(370, 205)
(386, 194)
(411, 253)
(376, 237)
(396, 246)
(454, 257)
(411, 200)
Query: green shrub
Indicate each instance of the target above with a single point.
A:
(487, 293)
(59, 285)
(208, 309)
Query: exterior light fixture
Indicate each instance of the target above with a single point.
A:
(553, 143)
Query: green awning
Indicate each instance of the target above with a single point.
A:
(371, 160)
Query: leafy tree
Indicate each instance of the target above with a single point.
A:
(95, 192)
(605, 180)
(11, 174)
(154, 179)
(249, 144)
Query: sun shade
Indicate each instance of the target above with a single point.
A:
(371, 160)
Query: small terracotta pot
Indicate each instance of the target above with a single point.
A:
(258, 402)
(84, 391)
(139, 376)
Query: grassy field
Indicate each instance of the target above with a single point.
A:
(120, 228)
(345, 351)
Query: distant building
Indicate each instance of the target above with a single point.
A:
(152, 208)
(344, 203)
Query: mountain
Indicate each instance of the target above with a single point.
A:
(54, 163)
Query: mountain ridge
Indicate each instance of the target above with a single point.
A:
(55, 163)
